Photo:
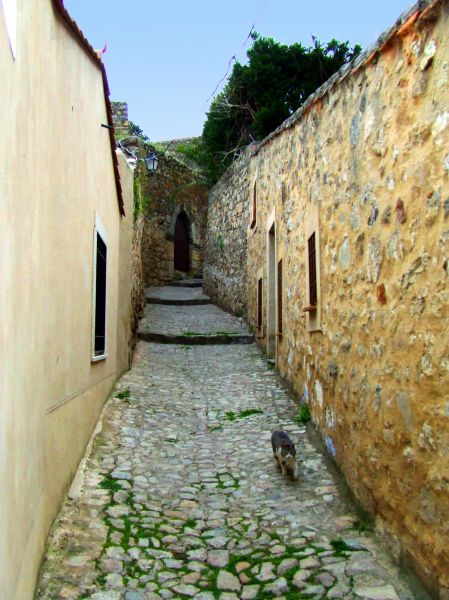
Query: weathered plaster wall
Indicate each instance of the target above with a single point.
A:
(368, 157)
(225, 249)
(131, 296)
(173, 188)
(53, 184)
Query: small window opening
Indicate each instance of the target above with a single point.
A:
(259, 303)
(100, 297)
(254, 214)
(280, 308)
(313, 298)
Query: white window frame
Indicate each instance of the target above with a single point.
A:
(101, 230)
(10, 17)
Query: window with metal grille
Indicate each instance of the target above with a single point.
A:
(259, 303)
(100, 297)
(313, 297)
(254, 215)
(279, 290)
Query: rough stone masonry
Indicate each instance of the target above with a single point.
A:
(363, 167)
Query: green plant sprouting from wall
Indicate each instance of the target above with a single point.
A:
(303, 415)
(141, 201)
(220, 242)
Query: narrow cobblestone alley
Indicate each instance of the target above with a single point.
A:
(181, 496)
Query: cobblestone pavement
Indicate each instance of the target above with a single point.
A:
(182, 498)
(207, 319)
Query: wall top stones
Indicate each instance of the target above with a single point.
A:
(422, 8)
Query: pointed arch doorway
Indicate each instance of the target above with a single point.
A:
(182, 244)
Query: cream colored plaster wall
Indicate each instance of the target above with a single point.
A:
(56, 175)
(125, 304)
(371, 159)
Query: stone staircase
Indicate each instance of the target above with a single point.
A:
(181, 313)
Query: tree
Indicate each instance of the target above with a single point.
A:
(260, 95)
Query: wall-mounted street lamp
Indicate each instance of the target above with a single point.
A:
(151, 162)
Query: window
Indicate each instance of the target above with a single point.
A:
(254, 210)
(99, 291)
(259, 305)
(279, 294)
(313, 297)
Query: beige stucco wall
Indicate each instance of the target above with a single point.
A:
(126, 270)
(56, 175)
(376, 372)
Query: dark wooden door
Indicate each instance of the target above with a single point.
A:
(182, 258)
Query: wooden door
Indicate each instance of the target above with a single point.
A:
(182, 257)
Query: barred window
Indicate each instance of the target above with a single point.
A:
(100, 297)
(279, 294)
(313, 297)
(254, 211)
(259, 304)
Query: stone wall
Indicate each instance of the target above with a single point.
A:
(225, 250)
(173, 189)
(137, 291)
(131, 292)
(120, 119)
(365, 165)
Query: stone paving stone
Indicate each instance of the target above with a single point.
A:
(175, 320)
(176, 294)
(182, 498)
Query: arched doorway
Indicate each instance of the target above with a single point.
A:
(182, 250)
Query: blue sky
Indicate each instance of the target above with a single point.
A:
(166, 58)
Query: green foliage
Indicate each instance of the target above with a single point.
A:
(341, 548)
(124, 394)
(137, 197)
(303, 415)
(196, 151)
(220, 242)
(141, 201)
(260, 95)
(232, 416)
(193, 150)
(109, 483)
(134, 129)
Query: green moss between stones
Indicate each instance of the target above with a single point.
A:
(135, 529)
(232, 416)
(109, 483)
(341, 548)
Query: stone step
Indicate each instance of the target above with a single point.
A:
(187, 283)
(196, 340)
(178, 301)
(176, 296)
